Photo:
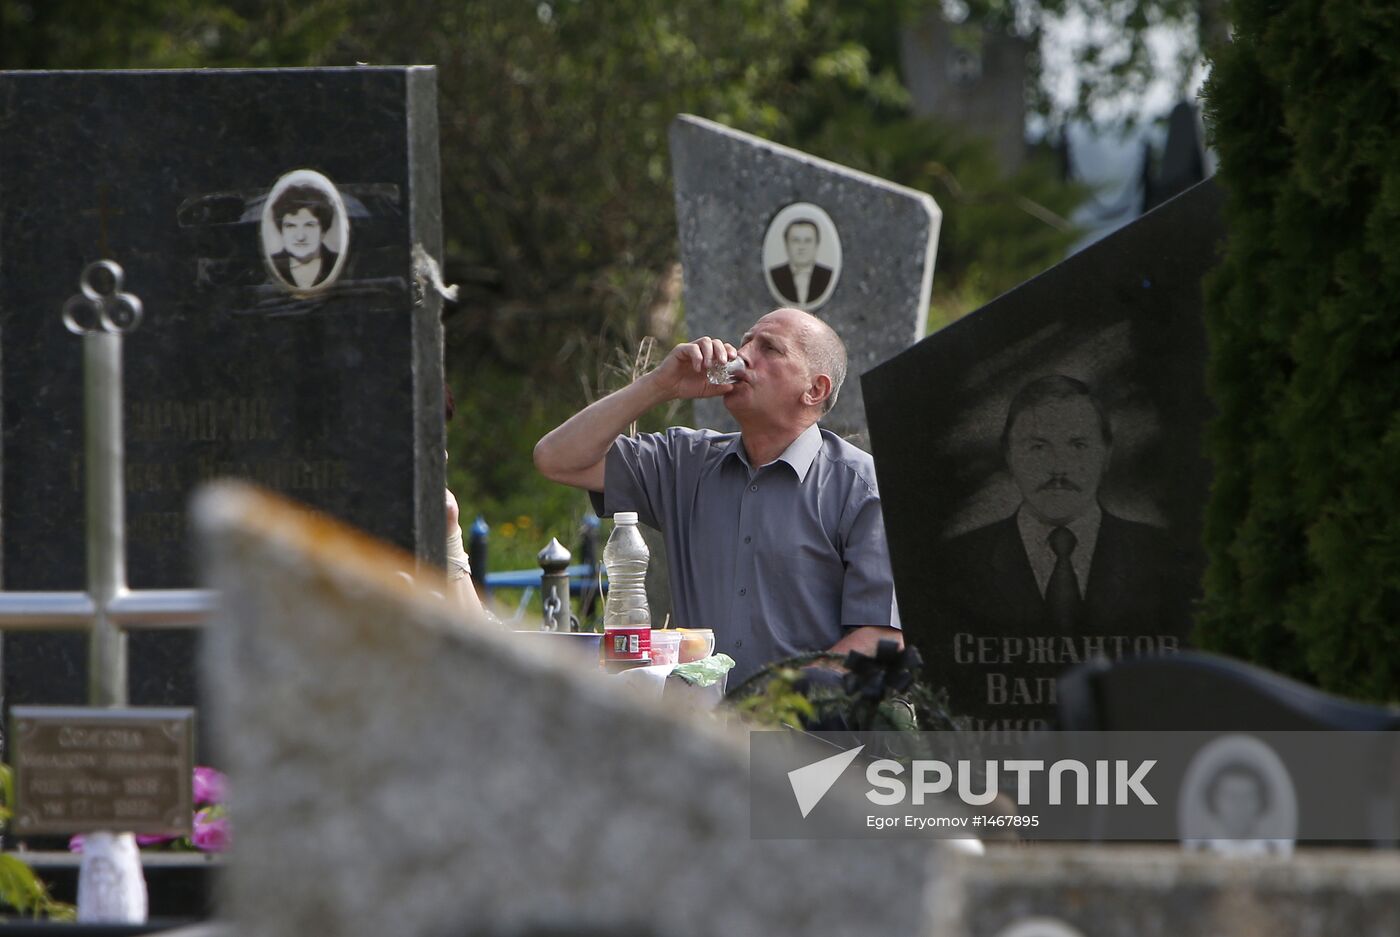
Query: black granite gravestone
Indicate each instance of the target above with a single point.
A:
(1337, 763)
(1067, 415)
(1192, 691)
(271, 222)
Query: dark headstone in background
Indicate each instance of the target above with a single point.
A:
(1244, 711)
(1124, 318)
(1194, 691)
(334, 398)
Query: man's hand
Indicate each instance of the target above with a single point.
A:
(867, 639)
(681, 374)
(453, 511)
(575, 452)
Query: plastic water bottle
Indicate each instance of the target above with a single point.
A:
(626, 617)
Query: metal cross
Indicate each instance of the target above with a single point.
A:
(101, 312)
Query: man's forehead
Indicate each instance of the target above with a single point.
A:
(782, 322)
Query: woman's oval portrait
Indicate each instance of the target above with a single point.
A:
(305, 232)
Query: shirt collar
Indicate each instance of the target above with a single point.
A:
(1085, 527)
(799, 454)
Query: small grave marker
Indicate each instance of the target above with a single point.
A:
(80, 769)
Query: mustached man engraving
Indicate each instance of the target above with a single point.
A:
(1061, 563)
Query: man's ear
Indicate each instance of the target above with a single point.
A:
(818, 391)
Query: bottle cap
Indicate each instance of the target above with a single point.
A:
(625, 517)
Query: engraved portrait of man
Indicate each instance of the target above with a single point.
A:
(1061, 563)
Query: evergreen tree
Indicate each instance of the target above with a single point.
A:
(1303, 528)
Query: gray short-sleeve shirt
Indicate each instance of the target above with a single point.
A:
(777, 560)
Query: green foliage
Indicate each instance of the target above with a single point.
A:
(20, 888)
(1303, 527)
(558, 208)
(165, 33)
(998, 229)
(23, 891)
(778, 704)
(1113, 61)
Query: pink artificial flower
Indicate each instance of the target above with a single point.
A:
(210, 786)
(211, 830)
(75, 844)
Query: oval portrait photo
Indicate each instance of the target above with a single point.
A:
(1039, 927)
(802, 256)
(305, 232)
(1237, 798)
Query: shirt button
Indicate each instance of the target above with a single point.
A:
(738, 643)
(748, 540)
(744, 591)
(753, 488)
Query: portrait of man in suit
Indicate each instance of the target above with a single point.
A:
(1061, 564)
(303, 215)
(801, 280)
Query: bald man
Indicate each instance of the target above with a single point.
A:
(774, 536)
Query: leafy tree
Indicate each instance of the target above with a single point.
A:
(1114, 62)
(50, 34)
(558, 206)
(1303, 527)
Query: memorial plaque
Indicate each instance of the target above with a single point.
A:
(79, 769)
(1041, 468)
(763, 226)
(273, 223)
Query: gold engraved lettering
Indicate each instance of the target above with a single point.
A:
(143, 477)
(158, 527)
(299, 475)
(79, 737)
(238, 419)
(129, 808)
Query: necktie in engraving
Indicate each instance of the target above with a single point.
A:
(1062, 599)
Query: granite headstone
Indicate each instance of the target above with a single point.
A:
(272, 222)
(1247, 709)
(763, 226)
(401, 770)
(1073, 405)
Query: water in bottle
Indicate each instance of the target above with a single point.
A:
(626, 617)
